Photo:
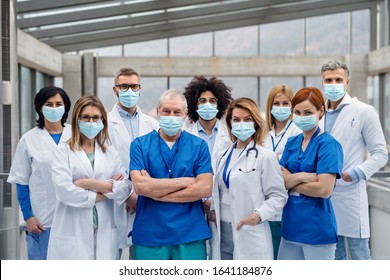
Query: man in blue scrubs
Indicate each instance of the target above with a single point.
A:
(171, 172)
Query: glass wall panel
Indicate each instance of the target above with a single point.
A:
(40, 79)
(314, 81)
(386, 121)
(327, 35)
(243, 87)
(267, 83)
(179, 83)
(26, 101)
(373, 91)
(360, 31)
(107, 51)
(237, 42)
(193, 45)
(281, 38)
(149, 48)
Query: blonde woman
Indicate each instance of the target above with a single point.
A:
(248, 189)
(280, 127)
(88, 178)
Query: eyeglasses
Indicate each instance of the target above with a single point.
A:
(203, 100)
(125, 87)
(86, 118)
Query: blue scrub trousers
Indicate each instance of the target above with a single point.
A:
(358, 248)
(299, 251)
(37, 244)
(188, 251)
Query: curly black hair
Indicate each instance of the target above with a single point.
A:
(200, 84)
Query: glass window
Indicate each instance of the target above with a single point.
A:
(26, 102)
(107, 51)
(149, 48)
(243, 87)
(314, 81)
(267, 83)
(361, 31)
(40, 81)
(237, 42)
(193, 45)
(179, 83)
(386, 121)
(327, 35)
(373, 92)
(281, 38)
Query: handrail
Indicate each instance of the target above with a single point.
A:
(381, 174)
(4, 175)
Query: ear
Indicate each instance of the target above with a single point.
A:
(115, 91)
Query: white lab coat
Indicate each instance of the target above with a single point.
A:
(72, 234)
(358, 130)
(291, 131)
(32, 166)
(262, 190)
(222, 141)
(121, 140)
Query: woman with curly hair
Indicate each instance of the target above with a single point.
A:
(207, 101)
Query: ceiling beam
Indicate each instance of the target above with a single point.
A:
(44, 5)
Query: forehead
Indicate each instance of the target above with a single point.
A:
(172, 103)
(305, 105)
(92, 110)
(240, 112)
(55, 98)
(281, 97)
(338, 73)
(132, 79)
(206, 94)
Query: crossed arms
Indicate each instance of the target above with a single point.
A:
(179, 190)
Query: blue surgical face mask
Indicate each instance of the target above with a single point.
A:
(334, 92)
(281, 113)
(243, 130)
(128, 98)
(53, 114)
(305, 123)
(90, 129)
(207, 111)
(171, 125)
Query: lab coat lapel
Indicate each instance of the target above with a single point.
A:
(119, 126)
(85, 163)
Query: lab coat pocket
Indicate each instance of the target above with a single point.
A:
(251, 243)
(62, 247)
(251, 184)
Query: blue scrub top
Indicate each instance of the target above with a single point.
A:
(163, 223)
(306, 219)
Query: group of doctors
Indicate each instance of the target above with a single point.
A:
(280, 188)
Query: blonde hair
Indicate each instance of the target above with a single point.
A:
(278, 89)
(251, 106)
(75, 140)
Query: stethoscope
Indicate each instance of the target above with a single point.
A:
(226, 174)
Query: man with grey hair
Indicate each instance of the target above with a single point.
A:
(357, 127)
(171, 172)
(126, 122)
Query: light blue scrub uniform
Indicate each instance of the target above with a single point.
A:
(311, 220)
(163, 223)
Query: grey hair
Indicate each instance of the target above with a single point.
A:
(125, 71)
(334, 64)
(171, 94)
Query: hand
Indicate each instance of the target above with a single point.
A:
(212, 216)
(131, 203)
(251, 220)
(285, 170)
(34, 226)
(85, 183)
(345, 176)
(100, 197)
(118, 177)
(207, 205)
(307, 177)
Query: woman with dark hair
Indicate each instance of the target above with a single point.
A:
(31, 167)
(311, 163)
(248, 189)
(207, 101)
(88, 177)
